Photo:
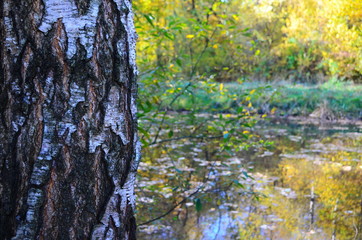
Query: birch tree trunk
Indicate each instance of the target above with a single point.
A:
(69, 150)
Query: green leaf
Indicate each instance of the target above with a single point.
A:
(144, 142)
(167, 34)
(179, 62)
(143, 131)
(170, 133)
(149, 19)
(140, 115)
(198, 204)
(238, 184)
(247, 175)
(244, 136)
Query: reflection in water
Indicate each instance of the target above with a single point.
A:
(307, 187)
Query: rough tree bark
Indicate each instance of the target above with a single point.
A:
(69, 150)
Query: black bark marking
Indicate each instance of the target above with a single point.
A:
(82, 6)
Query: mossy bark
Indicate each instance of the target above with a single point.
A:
(69, 149)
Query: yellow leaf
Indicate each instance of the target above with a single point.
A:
(246, 132)
(215, 46)
(190, 36)
(221, 87)
(252, 91)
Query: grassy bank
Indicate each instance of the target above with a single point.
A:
(331, 100)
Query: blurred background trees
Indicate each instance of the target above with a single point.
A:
(300, 40)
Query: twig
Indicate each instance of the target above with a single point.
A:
(185, 89)
(184, 137)
(169, 211)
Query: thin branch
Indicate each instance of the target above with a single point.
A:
(193, 71)
(184, 137)
(179, 203)
(173, 208)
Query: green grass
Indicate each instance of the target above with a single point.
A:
(282, 98)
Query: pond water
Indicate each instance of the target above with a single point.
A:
(307, 186)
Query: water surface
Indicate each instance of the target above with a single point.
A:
(308, 186)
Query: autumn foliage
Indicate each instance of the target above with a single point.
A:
(298, 40)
